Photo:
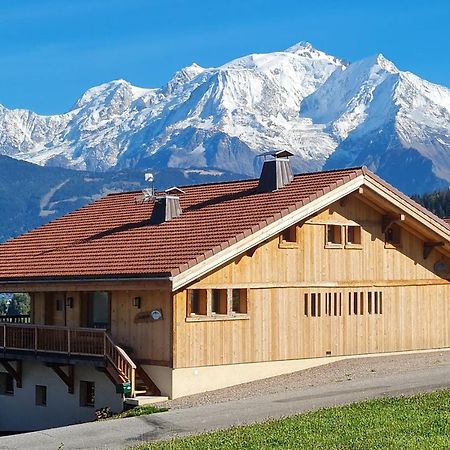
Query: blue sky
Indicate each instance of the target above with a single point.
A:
(53, 50)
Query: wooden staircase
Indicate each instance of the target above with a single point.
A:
(121, 369)
(144, 384)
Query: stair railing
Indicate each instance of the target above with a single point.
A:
(121, 362)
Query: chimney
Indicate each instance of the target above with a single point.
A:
(276, 171)
(166, 208)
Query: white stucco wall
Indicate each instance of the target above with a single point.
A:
(19, 412)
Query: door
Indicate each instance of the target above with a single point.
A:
(95, 310)
(49, 309)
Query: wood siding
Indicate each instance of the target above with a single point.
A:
(147, 340)
(143, 339)
(416, 302)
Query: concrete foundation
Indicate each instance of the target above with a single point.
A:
(19, 412)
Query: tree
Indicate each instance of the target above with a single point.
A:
(20, 304)
(438, 202)
(4, 301)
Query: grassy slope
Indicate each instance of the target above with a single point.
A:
(419, 422)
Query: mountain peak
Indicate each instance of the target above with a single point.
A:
(300, 47)
(382, 62)
(305, 49)
(385, 64)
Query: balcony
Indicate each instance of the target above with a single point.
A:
(64, 345)
(19, 318)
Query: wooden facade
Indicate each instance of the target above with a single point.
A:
(283, 278)
(131, 328)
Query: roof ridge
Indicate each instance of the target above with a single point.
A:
(247, 180)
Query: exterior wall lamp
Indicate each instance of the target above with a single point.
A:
(137, 302)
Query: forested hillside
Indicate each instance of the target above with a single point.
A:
(438, 202)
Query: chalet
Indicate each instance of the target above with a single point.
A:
(206, 286)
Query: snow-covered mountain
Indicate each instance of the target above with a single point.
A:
(327, 112)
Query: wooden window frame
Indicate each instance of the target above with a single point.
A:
(219, 302)
(348, 243)
(223, 310)
(291, 233)
(243, 302)
(330, 244)
(201, 298)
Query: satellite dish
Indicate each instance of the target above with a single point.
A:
(149, 177)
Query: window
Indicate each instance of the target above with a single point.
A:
(337, 234)
(392, 235)
(87, 393)
(59, 304)
(239, 301)
(41, 395)
(333, 304)
(313, 304)
(355, 303)
(289, 235)
(216, 304)
(219, 301)
(334, 235)
(375, 303)
(6, 384)
(353, 235)
(196, 302)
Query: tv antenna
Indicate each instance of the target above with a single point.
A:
(149, 193)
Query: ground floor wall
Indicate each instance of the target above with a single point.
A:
(176, 383)
(288, 323)
(19, 412)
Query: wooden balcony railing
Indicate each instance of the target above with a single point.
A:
(19, 318)
(68, 341)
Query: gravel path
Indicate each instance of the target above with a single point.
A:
(337, 372)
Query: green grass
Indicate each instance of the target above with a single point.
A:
(139, 411)
(419, 422)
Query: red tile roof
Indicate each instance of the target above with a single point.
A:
(112, 238)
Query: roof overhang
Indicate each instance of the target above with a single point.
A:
(74, 284)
